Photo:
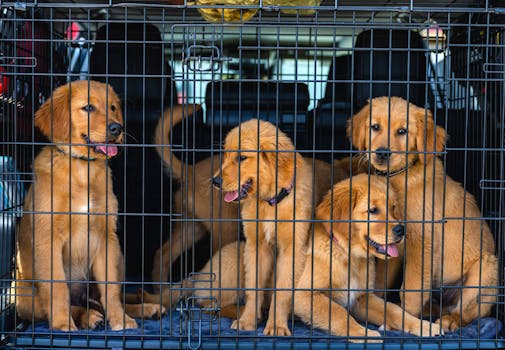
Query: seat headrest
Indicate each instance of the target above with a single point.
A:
(257, 95)
(385, 38)
(390, 63)
(339, 91)
(119, 50)
(230, 102)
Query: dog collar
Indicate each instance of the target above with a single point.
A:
(396, 172)
(285, 191)
(73, 155)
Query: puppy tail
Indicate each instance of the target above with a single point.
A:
(168, 297)
(171, 116)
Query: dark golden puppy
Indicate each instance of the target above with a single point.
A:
(445, 243)
(68, 229)
(343, 253)
(273, 183)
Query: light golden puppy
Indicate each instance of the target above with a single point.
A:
(197, 201)
(446, 242)
(359, 223)
(273, 184)
(68, 229)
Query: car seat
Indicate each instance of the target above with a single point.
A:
(227, 103)
(328, 121)
(391, 63)
(129, 56)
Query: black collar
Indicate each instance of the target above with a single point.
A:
(282, 194)
(76, 156)
(396, 172)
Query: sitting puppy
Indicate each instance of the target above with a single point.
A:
(360, 222)
(447, 243)
(273, 184)
(68, 229)
(201, 206)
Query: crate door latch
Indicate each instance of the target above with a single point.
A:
(204, 58)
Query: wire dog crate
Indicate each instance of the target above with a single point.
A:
(306, 68)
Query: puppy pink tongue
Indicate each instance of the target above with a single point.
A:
(392, 250)
(230, 196)
(108, 150)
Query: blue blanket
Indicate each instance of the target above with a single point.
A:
(176, 328)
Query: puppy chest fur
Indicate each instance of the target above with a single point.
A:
(84, 201)
(348, 277)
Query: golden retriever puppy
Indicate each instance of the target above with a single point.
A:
(68, 229)
(219, 284)
(273, 184)
(197, 201)
(446, 244)
(359, 223)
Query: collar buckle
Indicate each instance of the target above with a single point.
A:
(285, 191)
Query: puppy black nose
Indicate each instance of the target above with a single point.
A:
(399, 231)
(217, 181)
(115, 129)
(383, 153)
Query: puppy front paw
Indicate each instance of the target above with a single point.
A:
(117, 324)
(449, 323)
(376, 337)
(155, 311)
(65, 324)
(244, 324)
(366, 335)
(91, 319)
(431, 329)
(279, 329)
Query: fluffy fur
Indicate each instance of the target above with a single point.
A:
(342, 258)
(260, 161)
(445, 244)
(84, 121)
(219, 284)
(197, 201)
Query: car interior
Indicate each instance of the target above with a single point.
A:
(306, 74)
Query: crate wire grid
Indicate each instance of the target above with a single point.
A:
(472, 35)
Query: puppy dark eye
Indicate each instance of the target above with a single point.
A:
(401, 131)
(373, 210)
(113, 108)
(241, 158)
(88, 108)
(376, 127)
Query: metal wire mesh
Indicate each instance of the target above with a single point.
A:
(305, 69)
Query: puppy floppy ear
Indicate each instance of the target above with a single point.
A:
(430, 137)
(53, 117)
(280, 154)
(356, 128)
(338, 205)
